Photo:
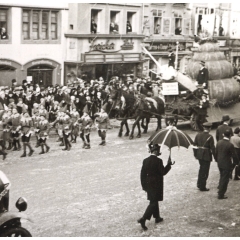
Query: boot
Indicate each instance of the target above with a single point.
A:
(23, 155)
(74, 140)
(42, 152)
(10, 146)
(19, 145)
(14, 145)
(236, 174)
(142, 222)
(30, 148)
(47, 148)
(31, 152)
(61, 144)
(84, 145)
(103, 143)
(2, 152)
(87, 146)
(69, 145)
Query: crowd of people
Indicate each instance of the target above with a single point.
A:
(28, 109)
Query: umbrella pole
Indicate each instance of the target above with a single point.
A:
(172, 163)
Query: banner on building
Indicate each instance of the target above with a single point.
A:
(170, 88)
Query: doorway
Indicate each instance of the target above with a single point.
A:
(41, 75)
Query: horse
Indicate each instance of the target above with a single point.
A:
(146, 107)
(139, 108)
(125, 111)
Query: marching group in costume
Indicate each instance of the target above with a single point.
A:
(29, 110)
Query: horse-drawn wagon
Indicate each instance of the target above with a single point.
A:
(223, 89)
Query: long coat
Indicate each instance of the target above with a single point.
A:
(225, 153)
(203, 76)
(152, 173)
(221, 129)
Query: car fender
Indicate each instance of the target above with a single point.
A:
(6, 216)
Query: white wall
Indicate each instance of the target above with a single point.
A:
(24, 53)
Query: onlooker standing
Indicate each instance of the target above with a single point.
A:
(205, 149)
(128, 27)
(235, 140)
(93, 26)
(152, 173)
(224, 154)
(203, 75)
(222, 128)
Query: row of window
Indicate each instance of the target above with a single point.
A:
(98, 26)
(36, 24)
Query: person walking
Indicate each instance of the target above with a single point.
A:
(235, 140)
(86, 123)
(222, 128)
(102, 124)
(151, 176)
(204, 151)
(224, 154)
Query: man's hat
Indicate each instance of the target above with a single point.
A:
(153, 147)
(202, 62)
(225, 118)
(207, 124)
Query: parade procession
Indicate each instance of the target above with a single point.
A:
(107, 109)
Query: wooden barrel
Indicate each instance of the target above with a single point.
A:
(209, 47)
(224, 90)
(217, 69)
(206, 56)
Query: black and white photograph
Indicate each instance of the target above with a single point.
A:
(119, 119)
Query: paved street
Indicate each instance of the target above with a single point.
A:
(97, 192)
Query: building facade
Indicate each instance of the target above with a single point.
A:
(165, 25)
(32, 43)
(99, 43)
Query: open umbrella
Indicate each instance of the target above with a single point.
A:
(171, 137)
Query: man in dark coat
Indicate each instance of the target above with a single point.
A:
(204, 152)
(222, 128)
(171, 58)
(224, 154)
(93, 26)
(152, 173)
(203, 75)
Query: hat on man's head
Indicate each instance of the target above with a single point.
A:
(237, 130)
(14, 80)
(153, 147)
(207, 124)
(225, 118)
(202, 62)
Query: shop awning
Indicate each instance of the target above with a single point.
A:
(111, 58)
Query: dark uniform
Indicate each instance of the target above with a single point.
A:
(222, 128)
(204, 152)
(203, 76)
(224, 154)
(152, 173)
(171, 59)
